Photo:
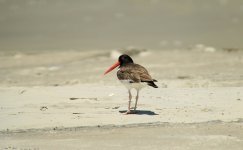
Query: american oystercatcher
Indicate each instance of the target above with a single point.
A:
(132, 76)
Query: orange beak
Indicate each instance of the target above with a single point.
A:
(112, 67)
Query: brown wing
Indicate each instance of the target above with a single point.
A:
(134, 72)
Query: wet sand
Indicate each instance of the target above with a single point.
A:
(201, 136)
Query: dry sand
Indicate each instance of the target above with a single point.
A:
(60, 100)
(92, 105)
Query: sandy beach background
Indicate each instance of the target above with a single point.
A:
(53, 94)
(66, 98)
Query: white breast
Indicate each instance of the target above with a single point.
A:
(129, 85)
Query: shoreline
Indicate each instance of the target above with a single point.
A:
(239, 122)
(201, 136)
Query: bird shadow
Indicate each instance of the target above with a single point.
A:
(140, 112)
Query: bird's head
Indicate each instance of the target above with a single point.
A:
(122, 60)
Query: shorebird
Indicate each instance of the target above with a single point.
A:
(132, 76)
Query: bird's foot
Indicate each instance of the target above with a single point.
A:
(129, 112)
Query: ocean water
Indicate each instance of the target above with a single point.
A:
(33, 25)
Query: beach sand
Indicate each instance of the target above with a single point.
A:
(61, 100)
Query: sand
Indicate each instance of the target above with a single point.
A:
(61, 100)
(91, 105)
(166, 136)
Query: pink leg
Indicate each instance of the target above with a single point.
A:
(129, 103)
(136, 100)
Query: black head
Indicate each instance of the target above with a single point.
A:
(125, 59)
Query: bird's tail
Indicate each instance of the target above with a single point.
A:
(151, 83)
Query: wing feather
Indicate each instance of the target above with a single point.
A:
(134, 72)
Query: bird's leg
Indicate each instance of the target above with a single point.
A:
(136, 100)
(129, 102)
